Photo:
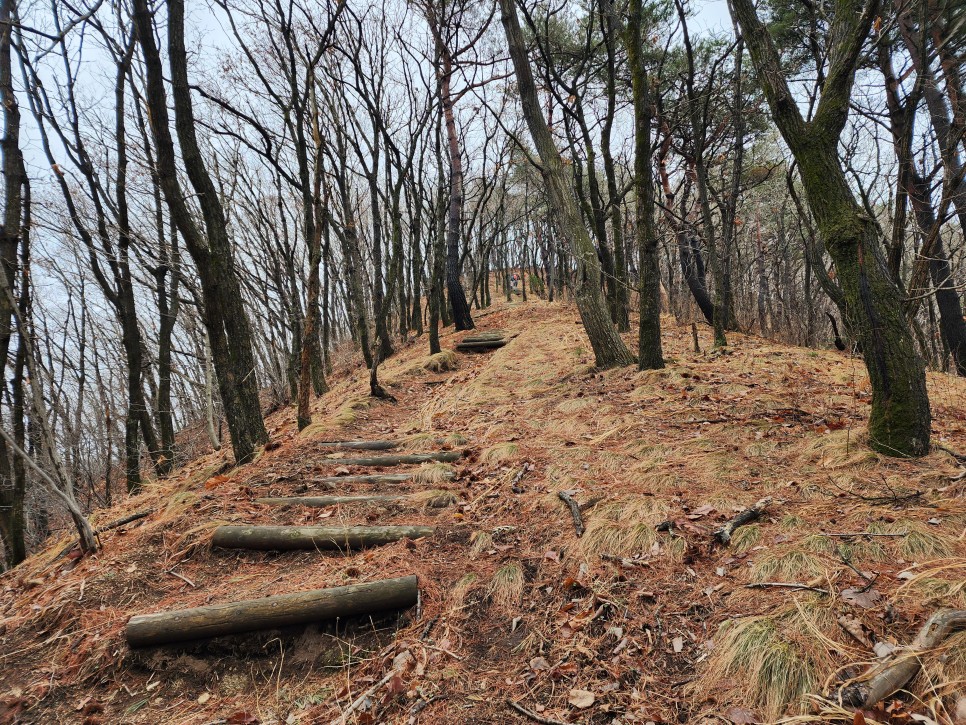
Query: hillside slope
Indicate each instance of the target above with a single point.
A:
(627, 623)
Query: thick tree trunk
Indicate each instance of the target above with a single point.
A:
(454, 285)
(650, 355)
(899, 420)
(609, 348)
(225, 318)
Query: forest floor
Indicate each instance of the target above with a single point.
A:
(625, 624)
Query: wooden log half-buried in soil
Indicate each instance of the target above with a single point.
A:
(291, 538)
(484, 337)
(320, 501)
(358, 445)
(374, 478)
(481, 346)
(888, 677)
(283, 610)
(445, 456)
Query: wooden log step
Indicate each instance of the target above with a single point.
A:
(483, 337)
(445, 456)
(481, 346)
(320, 501)
(358, 445)
(373, 478)
(432, 499)
(283, 610)
(292, 538)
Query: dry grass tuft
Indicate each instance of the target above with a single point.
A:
(433, 473)
(506, 586)
(771, 670)
(921, 541)
(434, 499)
(841, 449)
(939, 583)
(623, 528)
(745, 538)
(574, 405)
(461, 590)
(442, 362)
(787, 565)
(482, 542)
(499, 453)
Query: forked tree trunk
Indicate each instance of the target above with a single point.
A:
(609, 348)
(899, 420)
(225, 318)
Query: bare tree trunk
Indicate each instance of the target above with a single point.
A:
(609, 348)
(225, 318)
(649, 351)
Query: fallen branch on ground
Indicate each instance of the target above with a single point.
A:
(574, 511)
(886, 678)
(446, 456)
(291, 538)
(786, 585)
(723, 535)
(532, 715)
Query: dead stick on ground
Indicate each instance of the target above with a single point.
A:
(126, 520)
(358, 702)
(786, 585)
(574, 511)
(884, 679)
(532, 715)
(723, 535)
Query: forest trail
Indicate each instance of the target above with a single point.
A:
(622, 624)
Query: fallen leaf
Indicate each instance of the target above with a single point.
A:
(539, 663)
(581, 698)
(242, 718)
(741, 716)
(203, 698)
(866, 600)
(678, 643)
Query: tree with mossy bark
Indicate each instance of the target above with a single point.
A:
(899, 420)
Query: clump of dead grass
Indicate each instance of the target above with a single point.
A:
(433, 473)
(789, 564)
(482, 541)
(442, 362)
(767, 657)
(840, 449)
(745, 537)
(499, 453)
(506, 586)
(623, 528)
(434, 499)
(922, 541)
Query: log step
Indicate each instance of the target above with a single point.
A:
(481, 346)
(358, 445)
(439, 499)
(292, 538)
(282, 610)
(484, 336)
(446, 456)
(374, 478)
(319, 501)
